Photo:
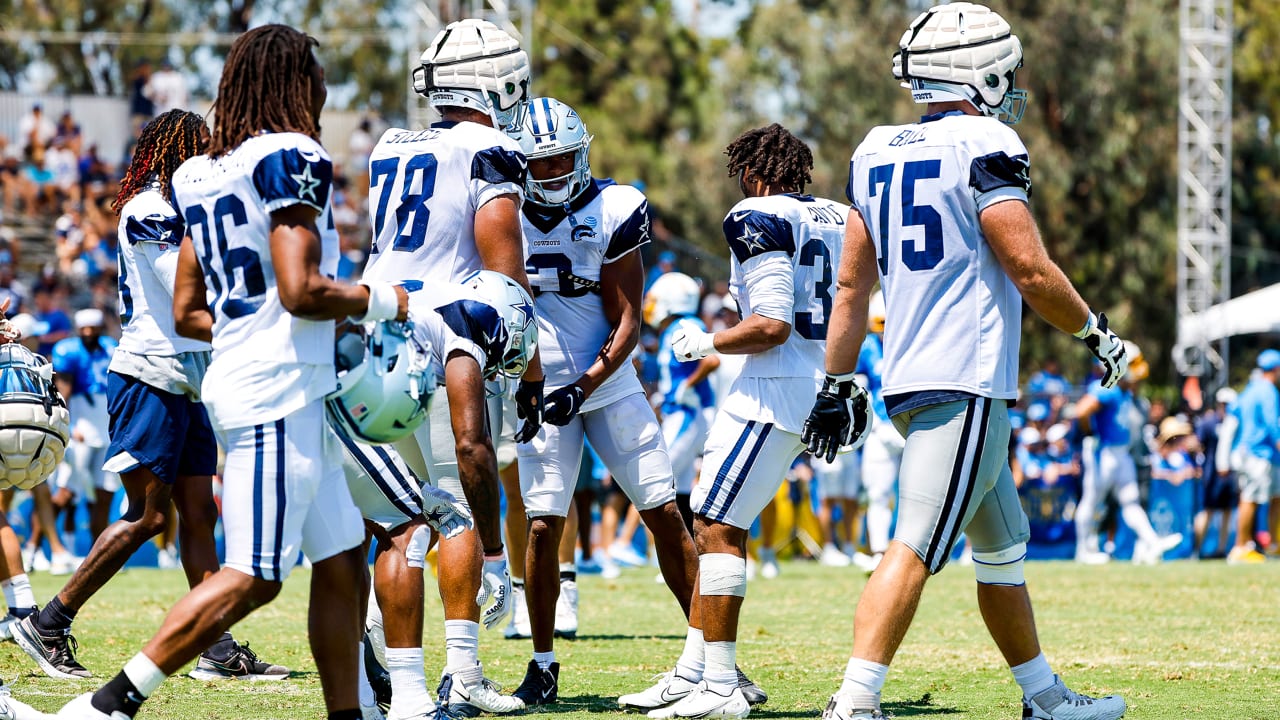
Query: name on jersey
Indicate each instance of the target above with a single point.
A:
(908, 137)
(825, 214)
(408, 136)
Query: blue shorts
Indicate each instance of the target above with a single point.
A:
(166, 433)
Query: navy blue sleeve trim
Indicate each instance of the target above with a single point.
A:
(478, 323)
(751, 233)
(999, 170)
(154, 228)
(848, 187)
(290, 176)
(497, 165)
(630, 235)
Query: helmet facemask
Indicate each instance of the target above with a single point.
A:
(552, 129)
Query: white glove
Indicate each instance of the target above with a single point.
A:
(687, 396)
(692, 344)
(1106, 347)
(443, 513)
(496, 584)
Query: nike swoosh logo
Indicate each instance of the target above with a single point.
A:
(740, 216)
(546, 693)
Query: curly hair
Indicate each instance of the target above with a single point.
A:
(265, 85)
(165, 143)
(773, 155)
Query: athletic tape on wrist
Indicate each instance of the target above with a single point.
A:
(1089, 324)
(383, 303)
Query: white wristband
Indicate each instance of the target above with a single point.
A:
(383, 303)
(1089, 324)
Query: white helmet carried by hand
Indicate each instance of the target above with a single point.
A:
(475, 64)
(515, 338)
(34, 423)
(385, 383)
(552, 128)
(673, 293)
(962, 51)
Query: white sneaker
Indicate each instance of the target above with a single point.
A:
(518, 628)
(467, 693)
(625, 554)
(769, 564)
(371, 712)
(832, 557)
(567, 610)
(867, 563)
(13, 709)
(669, 689)
(704, 702)
(1092, 557)
(841, 707)
(167, 559)
(64, 563)
(1060, 703)
(39, 561)
(81, 709)
(609, 569)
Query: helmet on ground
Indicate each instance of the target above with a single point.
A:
(385, 383)
(1138, 367)
(962, 51)
(673, 293)
(475, 64)
(34, 423)
(552, 128)
(875, 313)
(517, 339)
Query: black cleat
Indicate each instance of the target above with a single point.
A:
(751, 691)
(55, 654)
(540, 687)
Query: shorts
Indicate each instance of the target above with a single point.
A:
(840, 479)
(503, 423)
(1220, 492)
(167, 434)
(956, 479)
(1259, 480)
(685, 432)
(744, 465)
(283, 491)
(382, 486)
(626, 436)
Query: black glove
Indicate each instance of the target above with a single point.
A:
(840, 417)
(1107, 347)
(563, 404)
(529, 409)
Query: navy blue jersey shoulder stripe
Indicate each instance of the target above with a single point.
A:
(998, 170)
(292, 175)
(166, 229)
(631, 234)
(498, 165)
(478, 323)
(752, 232)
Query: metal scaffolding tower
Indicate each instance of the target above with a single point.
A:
(1204, 178)
(430, 16)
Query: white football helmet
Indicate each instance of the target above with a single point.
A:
(475, 64)
(385, 383)
(673, 293)
(552, 128)
(34, 423)
(875, 313)
(517, 335)
(962, 51)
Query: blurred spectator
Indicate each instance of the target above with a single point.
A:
(713, 302)
(67, 132)
(1048, 381)
(64, 167)
(95, 175)
(14, 182)
(1174, 467)
(359, 147)
(35, 132)
(33, 332)
(141, 109)
(167, 89)
(1259, 412)
(666, 263)
(1218, 496)
(49, 312)
(11, 288)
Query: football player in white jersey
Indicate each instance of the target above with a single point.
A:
(785, 246)
(582, 241)
(258, 215)
(161, 441)
(940, 215)
(465, 334)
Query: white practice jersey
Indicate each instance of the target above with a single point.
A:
(449, 317)
(424, 190)
(564, 253)
(953, 317)
(786, 249)
(150, 233)
(266, 362)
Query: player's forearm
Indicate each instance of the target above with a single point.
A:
(755, 334)
(846, 329)
(478, 474)
(324, 299)
(615, 351)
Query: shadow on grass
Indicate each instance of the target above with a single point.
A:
(590, 636)
(921, 707)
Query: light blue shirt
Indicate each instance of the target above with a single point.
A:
(1259, 411)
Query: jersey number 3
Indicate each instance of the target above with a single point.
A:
(812, 324)
(913, 215)
(412, 213)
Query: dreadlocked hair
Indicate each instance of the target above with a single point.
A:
(165, 143)
(773, 155)
(265, 85)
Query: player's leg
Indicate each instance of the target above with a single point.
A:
(566, 625)
(1150, 546)
(106, 484)
(1094, 487)
(18, 595)
(516, 535)
(881, 457)
(1274, 516)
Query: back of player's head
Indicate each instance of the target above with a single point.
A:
(266, 85)
(165, 143)
(474, 64)
(772, 155)
(552, 128)
(962, 51)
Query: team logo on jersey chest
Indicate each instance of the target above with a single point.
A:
(584, 230)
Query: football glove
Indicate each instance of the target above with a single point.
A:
(443, 512)
(1106, 347)
(840, 417)
(691, 343)
(563, 404)
(495, 585)
(529, 408)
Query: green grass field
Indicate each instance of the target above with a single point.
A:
(1182, 640)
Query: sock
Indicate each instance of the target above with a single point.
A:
(55, 617)
(368, 698)
(720, 673)
(346, 715)
(1034, 676)
(225, 646)
(125, 692)
(461, 644)
(1136, 518)
(568, 571)
(23, 598)
(692, 661)
(544, 659)
(409, 695)
(9, 599)
(863, 681)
